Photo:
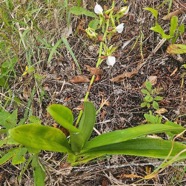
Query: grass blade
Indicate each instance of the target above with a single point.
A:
(67, 45)
(53, 50)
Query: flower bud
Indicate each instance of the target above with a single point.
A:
(124, 10)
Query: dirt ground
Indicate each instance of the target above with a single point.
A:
(123, 97)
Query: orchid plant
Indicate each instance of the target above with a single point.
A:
(102, 29)
(79, 146)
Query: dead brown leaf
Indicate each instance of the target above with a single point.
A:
(93, 70)
(120, 77)
(26, 92)
(171, 14)
(152, 79)
(161, 111)
(80, 79)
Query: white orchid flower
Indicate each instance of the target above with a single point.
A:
(111, 60)
(98, 9)
(120, 28)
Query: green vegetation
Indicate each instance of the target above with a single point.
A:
(28, 47)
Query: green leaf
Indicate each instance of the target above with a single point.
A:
(155, 105)
(148, 85)
(8, 156)
(7, 119)
(158, 98)
(87, 121)
(130, 133)
(63, 116)
(157, 28)
(173, 25)
(19, 156)
(153, 11)
(3, 142)
(40, 137)
(54, 50)
(39, 172)
(82, 11)
(144, 104)
(146, 147)
(86, 125)
(148, 98)
(153, 119)
(144, 91)
(94, 24)
(181, 29)
(67, 45)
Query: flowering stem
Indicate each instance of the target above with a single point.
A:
(99, 61)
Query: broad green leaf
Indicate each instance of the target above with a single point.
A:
(40, 137)
(173, 25)
(39, 172)
(147, 147)
(176, 49)
(19, 156)
(157, 28)
(76, 141)
(86, 125)
(131, 133)
(153, 11)
(63, 116)
(76, 10)
(87, 121)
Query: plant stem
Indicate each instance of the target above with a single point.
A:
(99, 61)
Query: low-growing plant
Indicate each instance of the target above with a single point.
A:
(81, 148)
(151, 97)
(175, 29)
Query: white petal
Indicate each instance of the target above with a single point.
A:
(111, 60)
(98, 9)
(120, 27)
